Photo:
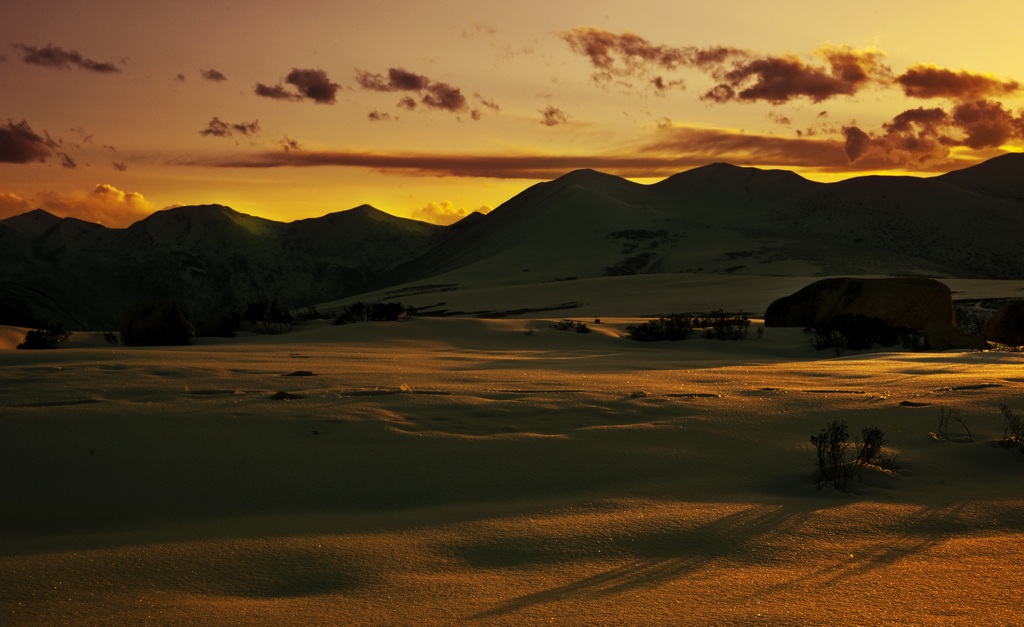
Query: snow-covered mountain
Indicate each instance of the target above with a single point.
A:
(723, 218)
(715, 219)
(212, 259)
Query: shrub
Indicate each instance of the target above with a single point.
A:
(832, 447)
(263, 317)
(1013, 433)
(673, 327)
(870, 446)
(860, 332)
(719, 325)
(946, 415)
(571, 325)
(44, 338)
(372, 312)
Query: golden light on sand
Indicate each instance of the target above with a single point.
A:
(467, 471)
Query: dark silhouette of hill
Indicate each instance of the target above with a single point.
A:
(715, 219)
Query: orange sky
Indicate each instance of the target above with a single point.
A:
(111, 109)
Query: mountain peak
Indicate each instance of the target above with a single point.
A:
(999, 176)
(32, 222)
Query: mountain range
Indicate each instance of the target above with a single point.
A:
(718, 218)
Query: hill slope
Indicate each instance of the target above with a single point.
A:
(715, 219)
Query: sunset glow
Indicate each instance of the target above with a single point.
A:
(114, 109)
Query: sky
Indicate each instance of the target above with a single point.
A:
(113, 109)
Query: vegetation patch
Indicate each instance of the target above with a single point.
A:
(44, 338)
(717, 325)
(837, 463)
(571, 325)
(372, 312)
(859, 332)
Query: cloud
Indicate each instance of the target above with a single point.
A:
(276, 92)
(20, 144)
(924, 137)
(397, 80)
(218, 128)
(434, 95)
(13, 205)
(180, 78)
(104, 204)
(310, 84)
(120, 166)
(287, 144)
(740, 74)
(630, 55)
(929, 81)
(54, 57)
(66, 161)
(670, 151)
(444, 96)
(490, 104)
(444, 212)
(779, 79)
(213, 75)
(379, 116)
(553, 116)
(313, 84)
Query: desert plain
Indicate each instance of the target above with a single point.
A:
(495, 471)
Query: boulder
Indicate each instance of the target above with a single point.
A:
(908, 303)
(1007, 325)
(922, 305)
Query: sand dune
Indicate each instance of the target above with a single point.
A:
(471, 471)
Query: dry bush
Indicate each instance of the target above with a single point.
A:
(832, 447)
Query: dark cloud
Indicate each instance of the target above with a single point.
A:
(20, 144)
(218, 128)
(490, 104)
(378, 116)
(444, 96)
(311, 84)
(929, 81)
(180, 78)
(55, 57)
(740, 74)
(213, 75)
(923, 137)
(987, 124)
(397, 80)
(661, 85)
(553, 116)
(784, 78)
(288, 144)
(432, 94)
(630, 55)
(672, 150)
(120, 166)
(276, 92)
(66, 161)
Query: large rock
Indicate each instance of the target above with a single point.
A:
(908, 303)
(1007, 325)
(922, 305)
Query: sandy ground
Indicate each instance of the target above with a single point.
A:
(468, 471)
